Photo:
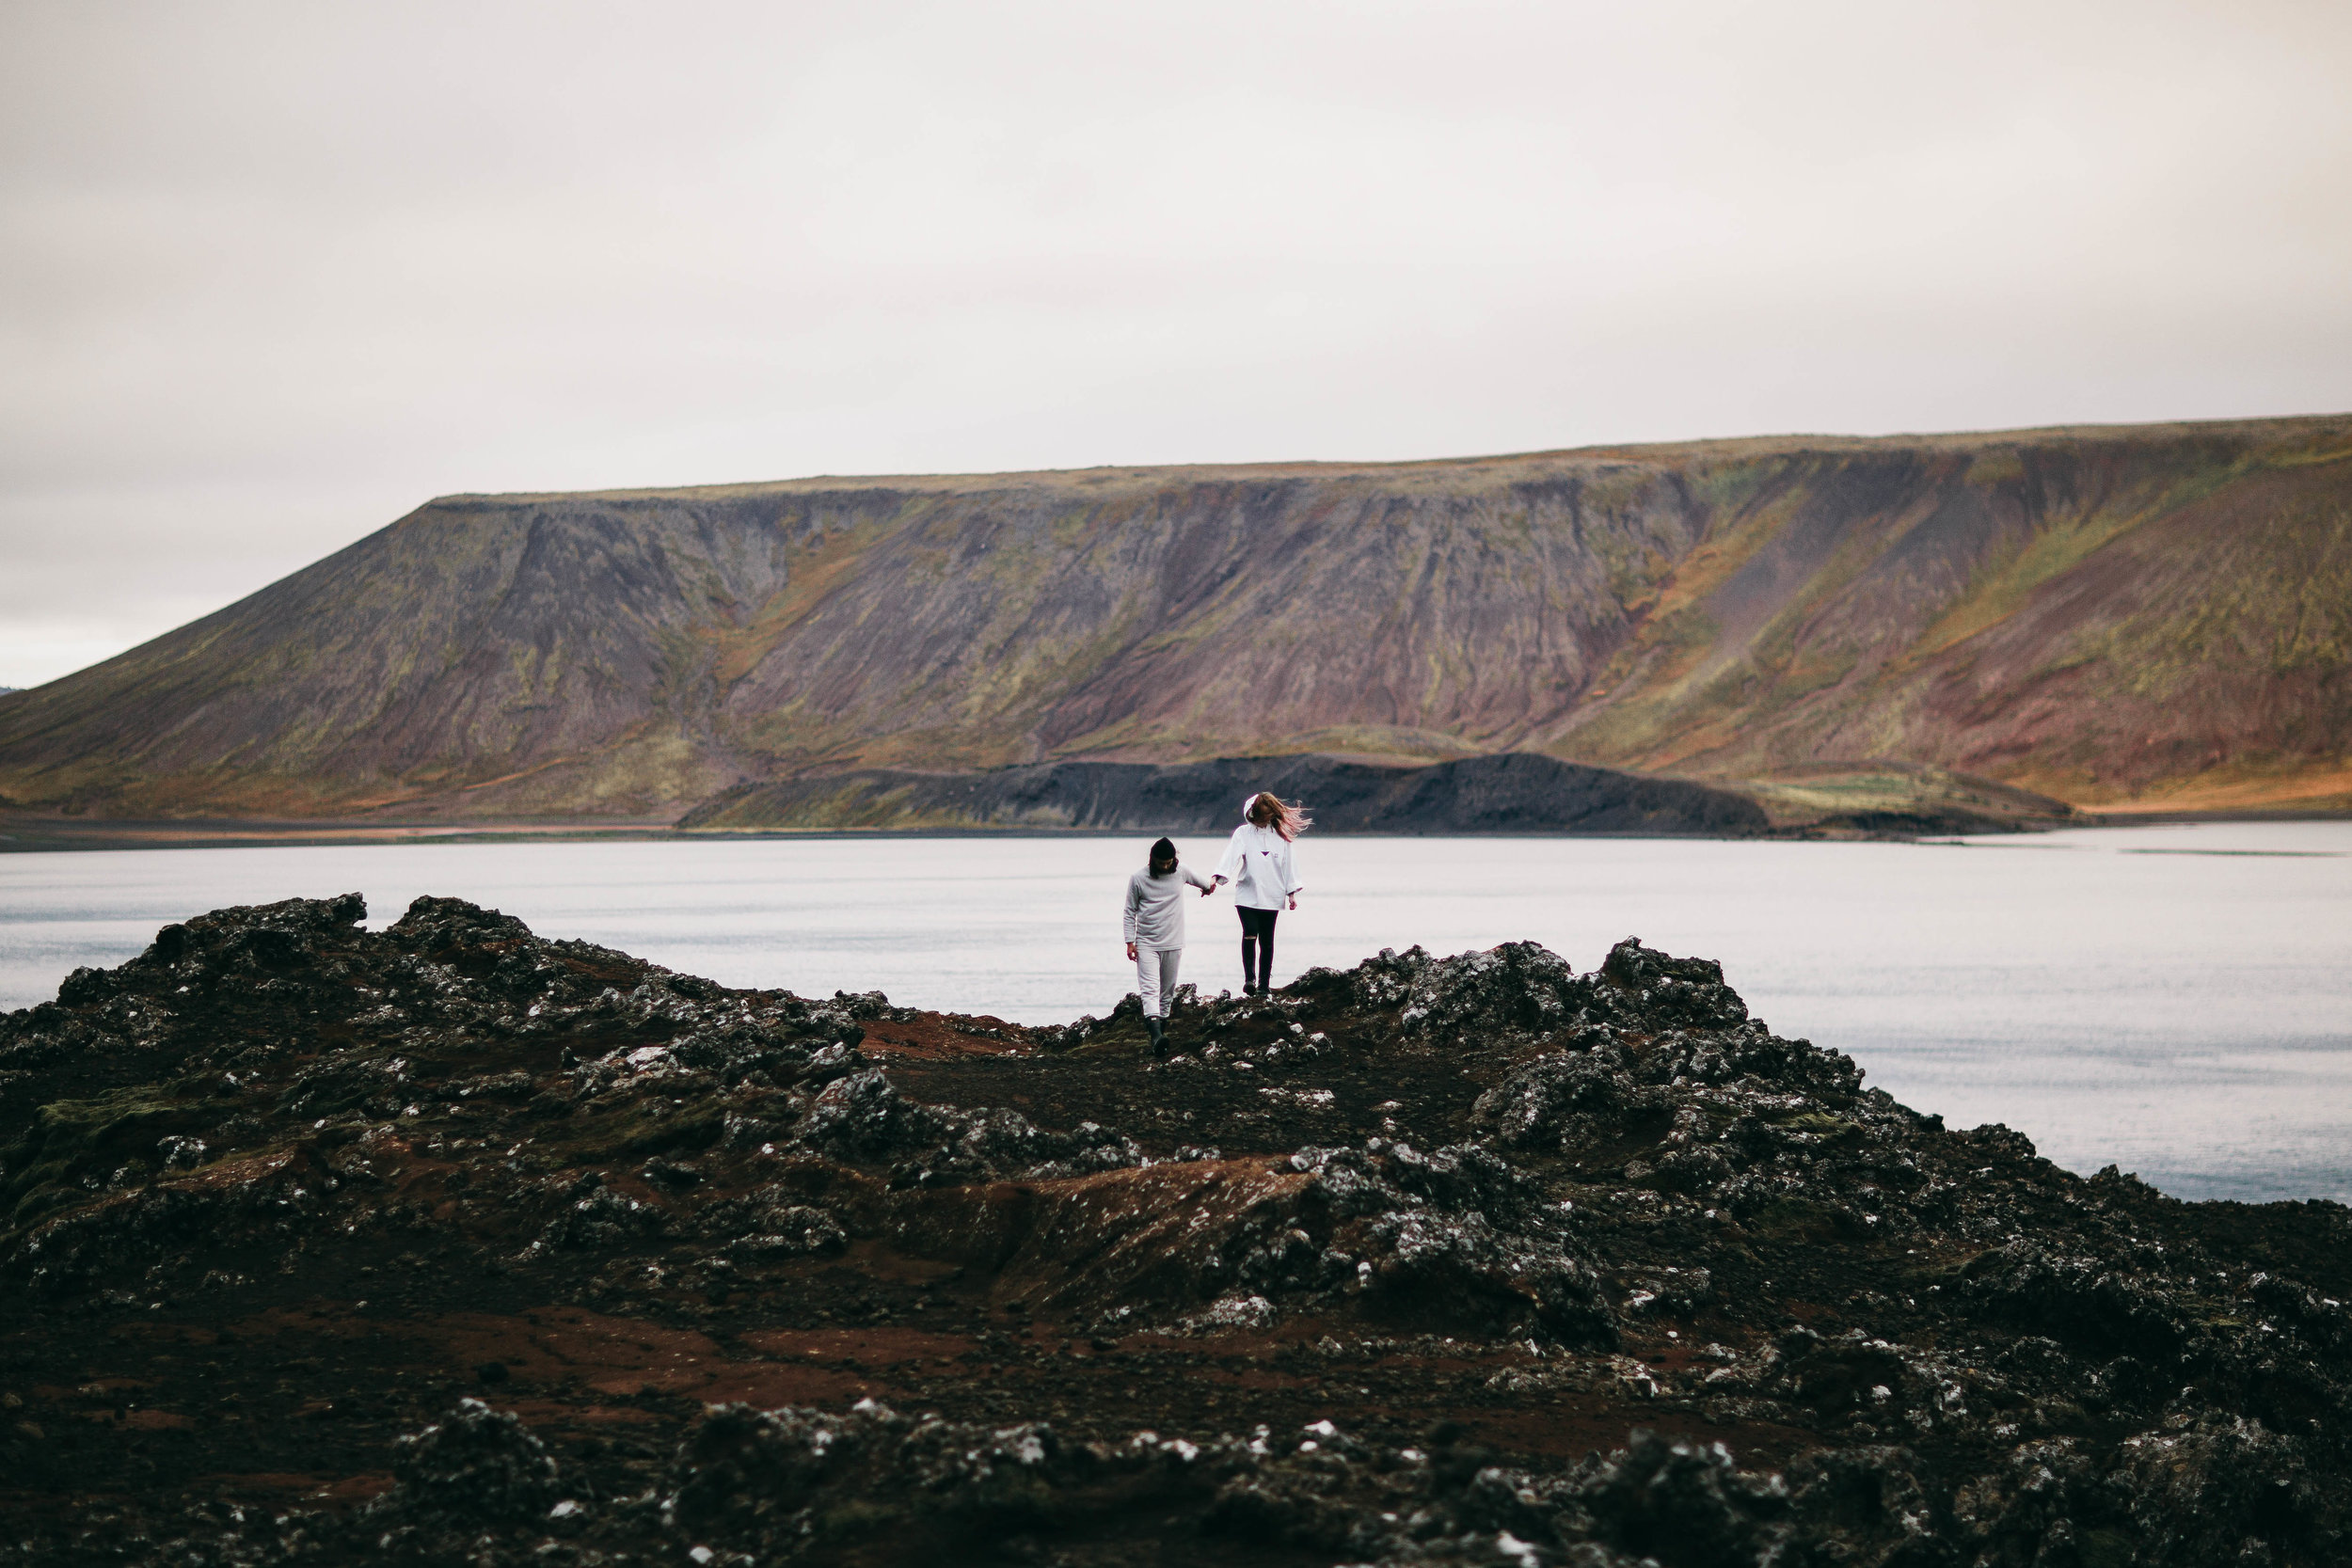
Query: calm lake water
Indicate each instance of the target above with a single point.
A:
(2176, 1000)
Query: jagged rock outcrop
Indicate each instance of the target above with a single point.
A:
(1514, 793)
(450, 1242)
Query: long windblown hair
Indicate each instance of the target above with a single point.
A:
(1287, 818)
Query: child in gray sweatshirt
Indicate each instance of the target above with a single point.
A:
(1154, 926)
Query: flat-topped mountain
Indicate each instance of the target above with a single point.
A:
(2155, 615)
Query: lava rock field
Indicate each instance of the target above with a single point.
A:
(448, 1243)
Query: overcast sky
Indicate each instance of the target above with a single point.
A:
(273, 273)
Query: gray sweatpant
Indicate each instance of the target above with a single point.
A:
(1155, 978)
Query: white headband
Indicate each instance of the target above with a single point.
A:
(1249, 800)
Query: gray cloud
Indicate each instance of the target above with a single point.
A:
(270, 274)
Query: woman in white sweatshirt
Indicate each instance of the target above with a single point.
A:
(1154, 926)
(1258, 862)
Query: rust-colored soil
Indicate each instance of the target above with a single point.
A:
(450, 1244)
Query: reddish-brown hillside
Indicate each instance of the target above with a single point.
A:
(2152, 615)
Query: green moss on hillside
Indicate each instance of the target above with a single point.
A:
(2115, 613)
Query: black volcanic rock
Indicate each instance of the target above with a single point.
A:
(1518, 792)
(452, 1244)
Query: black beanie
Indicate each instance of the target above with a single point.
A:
(1163, 850)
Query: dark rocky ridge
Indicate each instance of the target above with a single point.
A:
(450, 1243)
(1516, 792)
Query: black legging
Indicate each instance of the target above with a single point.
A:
(1257, 947)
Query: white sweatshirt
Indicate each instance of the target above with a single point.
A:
(1154, 918)
(1258, 862)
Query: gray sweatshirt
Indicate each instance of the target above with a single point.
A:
(1156, 907)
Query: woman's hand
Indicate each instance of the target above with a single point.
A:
(1131, 952)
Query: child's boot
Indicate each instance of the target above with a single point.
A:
(1159, 1036)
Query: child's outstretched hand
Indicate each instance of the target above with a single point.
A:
(1131, 952)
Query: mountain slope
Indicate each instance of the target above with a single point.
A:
(2154, 615)
(2099, 620)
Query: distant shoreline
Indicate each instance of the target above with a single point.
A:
(51, 837)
